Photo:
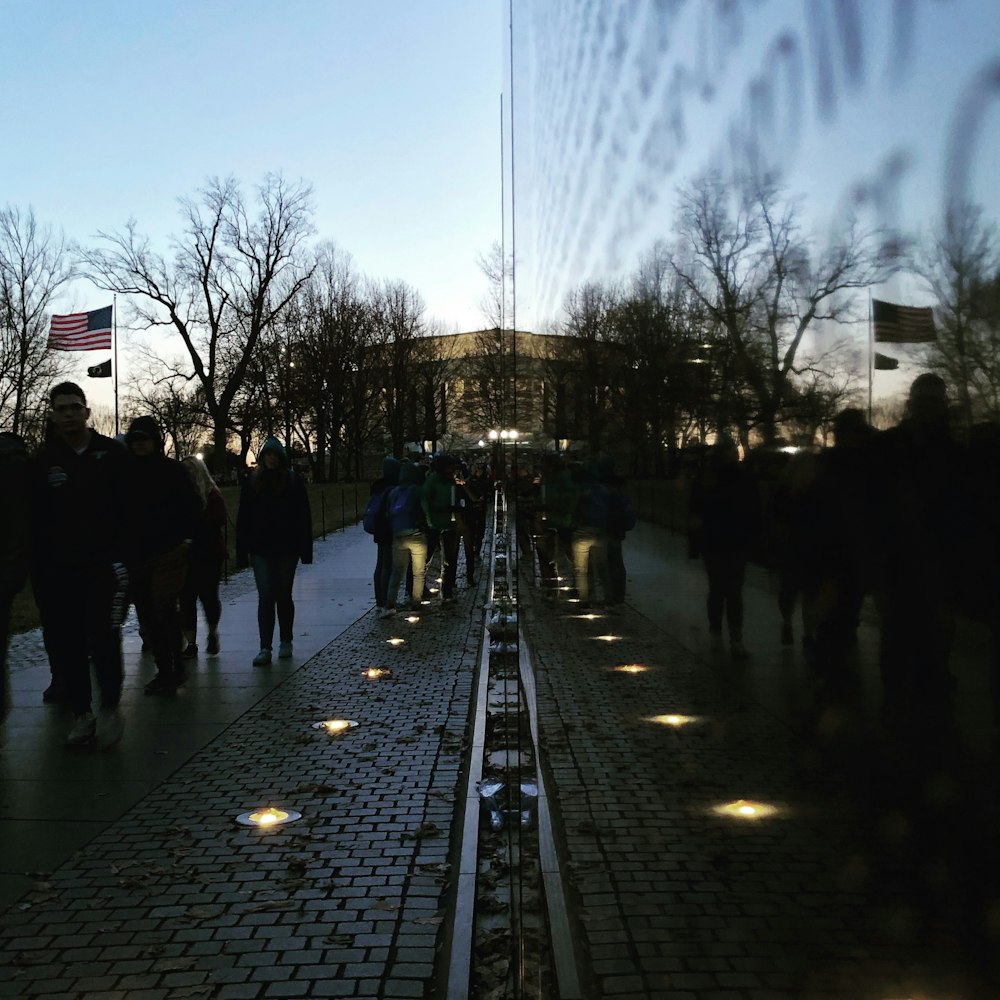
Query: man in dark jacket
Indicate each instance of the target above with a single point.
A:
(77, 556)
(724, 518)
(162, 511)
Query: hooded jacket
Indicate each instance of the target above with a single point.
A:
(440, 494)
(388, 479)
(274, 518)
(162, 505)
(405, 511)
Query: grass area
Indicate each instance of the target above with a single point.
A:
(334, 506)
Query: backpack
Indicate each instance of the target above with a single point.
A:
(376, 520)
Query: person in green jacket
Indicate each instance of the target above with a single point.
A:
(440, 505)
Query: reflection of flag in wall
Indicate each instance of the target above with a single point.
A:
(89, 331)
(902, 324)
(883, 363)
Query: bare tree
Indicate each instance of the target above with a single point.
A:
(398, 329)
(34, 266)
(960, 264)
(743, 255)
(234, 271)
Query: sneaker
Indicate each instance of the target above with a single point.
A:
(190, 651)
(84, 731)
(263, 658)
(384, 613)
(110, 726)
(285, 650)
(162, 683)
(212, 646)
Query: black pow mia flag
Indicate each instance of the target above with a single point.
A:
(101, 370)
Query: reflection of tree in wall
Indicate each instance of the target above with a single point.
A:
(960, 265)
(743, 256)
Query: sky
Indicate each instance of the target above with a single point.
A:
(391, 110)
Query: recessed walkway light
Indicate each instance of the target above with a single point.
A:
(268, 817)
(630, 668)
(374, 673)
(673, 720)
(412, 619)
(606, 638)
(590, 616)
(745, 809)
(335, 726)
(395, 641)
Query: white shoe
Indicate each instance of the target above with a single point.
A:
(83, 732)
(110, 727)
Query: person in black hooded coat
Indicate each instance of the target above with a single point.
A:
(163, 512)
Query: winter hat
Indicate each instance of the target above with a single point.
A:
(390, 470)
(145, 427)
(410, 474)
(273, 444)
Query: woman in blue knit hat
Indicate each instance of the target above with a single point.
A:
(274, 534)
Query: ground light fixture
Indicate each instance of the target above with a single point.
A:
(606, 638)
(268, 817)
(395, 641)
(673, 719)
(746, 809)
(589, 617)
(375, 673)
(335, 727)
(412, 619)
(630, 668)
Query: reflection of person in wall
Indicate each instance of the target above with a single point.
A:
(273, 535)
(922, 521)
(724, 518)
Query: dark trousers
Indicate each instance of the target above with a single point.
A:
(449, 540)
(75, 607)
(201, 584)
(155, 584)
(383, 571)
(616, 571)
(726, 569)
(274, 576)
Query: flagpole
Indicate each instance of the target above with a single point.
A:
(871, 357)
(114, 310)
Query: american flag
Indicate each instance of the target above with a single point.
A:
(89, 331)
(902, 324)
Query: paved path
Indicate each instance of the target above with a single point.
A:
(145, 888)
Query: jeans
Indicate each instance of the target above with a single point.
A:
(590, 546)
(404, 547)
(726, 569)
(383, 573)
(201, 583)
(155, 584)
(274, 576)
(75, 606)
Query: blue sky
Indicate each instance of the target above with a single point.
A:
(390, 109)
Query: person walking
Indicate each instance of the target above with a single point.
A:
(440, 503)
(723, 519)
(78, 572)
(14, 550)
(409, 539)
(205, 560)
(273, 535)
(382, 530)
(162, 511)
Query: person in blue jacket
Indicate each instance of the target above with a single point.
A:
(273, 535)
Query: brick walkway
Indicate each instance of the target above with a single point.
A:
(176, 900)
(858, 887)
